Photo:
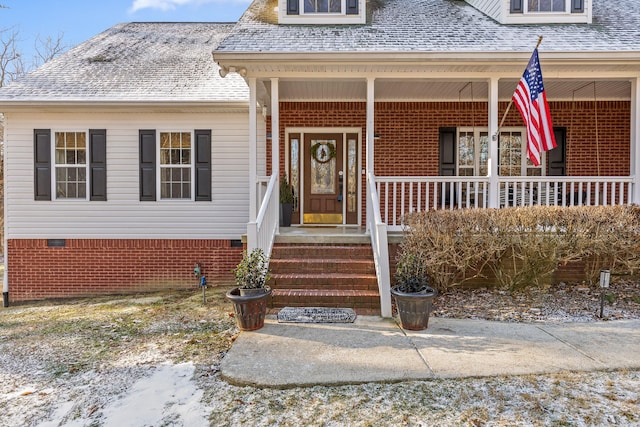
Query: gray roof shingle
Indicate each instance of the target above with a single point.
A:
(434, 26)
(136, 62)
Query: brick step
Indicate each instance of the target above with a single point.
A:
(319, 266)
(292, 251)
(359, 300)
(338, 281)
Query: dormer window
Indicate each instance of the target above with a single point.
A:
(548, 6)
(321, 11)
(322, 6)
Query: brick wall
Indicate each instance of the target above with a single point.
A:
(106, 266)
(414, 126)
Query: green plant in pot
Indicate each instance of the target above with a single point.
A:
(286, 202)
(413, 293)
(251, 294)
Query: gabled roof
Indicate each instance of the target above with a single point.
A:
(135, 62)
(434, 26)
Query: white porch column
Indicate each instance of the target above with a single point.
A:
(253, 150)
(370, 122)
(370, 136)
(275, 126)
(275, 135)
(493, 143)
(635, 139)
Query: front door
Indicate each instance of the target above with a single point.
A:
(323, 178)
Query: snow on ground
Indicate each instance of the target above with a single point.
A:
(124, 369)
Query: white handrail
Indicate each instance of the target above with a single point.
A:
(261, 233)
(379, 243)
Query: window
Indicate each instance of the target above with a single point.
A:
(322, 6)
(75, 162)
(175, 165)
(473, 152)
(546, 5)
(178, 166)
(71, 165)
(321, 11)
(512, 156)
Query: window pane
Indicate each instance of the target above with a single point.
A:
(59, 139)
(186, 191)
(466, 149)
(186, 140)
(70, 140)
(60, 156)
(81, 140)
(61, 190)
(82, 157)
(352, 184)
(164, 157)
(164, 140)
(294, 168)
(175, 140)
(174, 157)
(186, 157)
(484, 154)
(165, 191)
(558, 5)
(323, 172)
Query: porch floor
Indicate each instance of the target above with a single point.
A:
(329, 235)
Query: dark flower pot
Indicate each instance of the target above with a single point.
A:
(286, 211)
(414, 308)
(249, 309)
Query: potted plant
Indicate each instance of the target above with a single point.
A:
(286, 201)
(250, 296)
(413, 293)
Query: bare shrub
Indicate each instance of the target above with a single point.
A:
(520, 246)
(450, 247)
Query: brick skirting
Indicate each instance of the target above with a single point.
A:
(85, 267)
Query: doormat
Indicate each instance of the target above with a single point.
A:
(316, 315)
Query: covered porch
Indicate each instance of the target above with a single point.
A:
(438, 139)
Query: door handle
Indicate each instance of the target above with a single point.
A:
(340, 185)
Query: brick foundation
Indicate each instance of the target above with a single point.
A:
(85, 267)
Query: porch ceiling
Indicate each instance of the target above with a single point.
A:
(439, 90)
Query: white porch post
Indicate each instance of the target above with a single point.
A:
(370, 135)
(253, 151)
(275, 135)
(635, 139)
(493, 143)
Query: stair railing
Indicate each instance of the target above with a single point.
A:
(379, 244)
(261, 233)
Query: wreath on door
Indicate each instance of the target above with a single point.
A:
(322, 152)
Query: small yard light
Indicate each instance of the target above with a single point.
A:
(605, 276)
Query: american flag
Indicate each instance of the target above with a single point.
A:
(531, 100)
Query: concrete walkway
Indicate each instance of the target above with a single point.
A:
(377, 350)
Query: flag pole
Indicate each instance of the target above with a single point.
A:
(511, 102)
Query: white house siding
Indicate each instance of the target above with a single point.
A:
(123, 215)
(492, 8)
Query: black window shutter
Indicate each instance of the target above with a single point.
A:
(352, 7)
(447, 151)
(556, 158)
(577, 6)
(147, 165)
(516, 6)
(293, 7)
(42, 164)
(203, 165)
(98, 164)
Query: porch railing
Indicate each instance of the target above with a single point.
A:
(565, 191)
(401, 195)
(379, 243)
(261, 232)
